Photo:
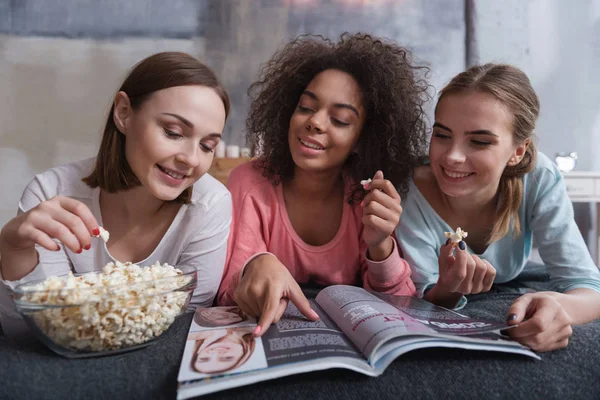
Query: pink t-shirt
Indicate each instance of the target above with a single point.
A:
(261, 224)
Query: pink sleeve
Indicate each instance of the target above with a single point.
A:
(247, 235)
(390, 276)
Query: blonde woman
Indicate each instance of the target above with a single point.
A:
(486, 177)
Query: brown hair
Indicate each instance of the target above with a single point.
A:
(112, 172)
(394, 91)
(511, 87)
(245, 338)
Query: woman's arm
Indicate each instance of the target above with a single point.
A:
(33, 262)
(562, 248)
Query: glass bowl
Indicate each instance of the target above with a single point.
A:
(96, 321)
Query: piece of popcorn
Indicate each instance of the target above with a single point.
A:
(104, 234)
(457, 236)
(365, 182)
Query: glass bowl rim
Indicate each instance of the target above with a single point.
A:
(21, 290)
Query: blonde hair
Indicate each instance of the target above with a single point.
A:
(511, 87)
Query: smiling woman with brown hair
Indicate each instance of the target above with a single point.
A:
(325, 116)
(147, 186)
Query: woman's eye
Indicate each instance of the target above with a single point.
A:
(171, 134)
(339, 123)
(481, 143)
(304, 109)
(206, 148)
(441, 135)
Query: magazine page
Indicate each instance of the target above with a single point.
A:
(376, 325)
(221, 352)
(440, 319)
(366, 319)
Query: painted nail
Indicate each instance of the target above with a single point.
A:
(362, 203)
(79, 251)
(447, 241)
(462, 245)
(89, 246)
(257, 331)
(96, 231)
(366, 186)
(511, 317)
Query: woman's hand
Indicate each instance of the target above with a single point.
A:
(265, 289)
(62, 218)
(460, 273)
(543, 323)
(464, 273)
(381, 214)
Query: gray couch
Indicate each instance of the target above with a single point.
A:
(30, 371)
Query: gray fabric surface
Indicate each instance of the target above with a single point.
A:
(30, 371)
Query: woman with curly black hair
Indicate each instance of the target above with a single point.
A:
(325, 117)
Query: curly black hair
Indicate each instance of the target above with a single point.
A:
(394, 91)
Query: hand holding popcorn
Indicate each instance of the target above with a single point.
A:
(61, 218)
(381, 214)
(462, 272)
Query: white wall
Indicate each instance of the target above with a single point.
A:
(54, 96)
(557, 43)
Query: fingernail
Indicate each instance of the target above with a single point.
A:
(96, 231)
(362, 203)
(79, 251)
(89, 246)
(447, 241)
(511, 317)
(366, 186)
(462, 245)
(257, 331)
(315, 315)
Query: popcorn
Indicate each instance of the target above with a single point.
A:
(121, 306)
(104, 234)
(365, 182)
(457, 236)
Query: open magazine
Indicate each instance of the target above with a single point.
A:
(358, 330)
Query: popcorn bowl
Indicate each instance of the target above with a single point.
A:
(105, 319)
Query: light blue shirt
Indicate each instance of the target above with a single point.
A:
(546, 214)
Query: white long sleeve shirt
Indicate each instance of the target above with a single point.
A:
(197, 236)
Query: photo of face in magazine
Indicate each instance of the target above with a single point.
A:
(221, 350)
(219, 316)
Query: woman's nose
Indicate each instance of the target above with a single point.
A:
(188, 155)
(316, 123)
(455, 154)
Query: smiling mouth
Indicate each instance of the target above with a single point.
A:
(456, 175)
(171, 173)
(311, 145)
